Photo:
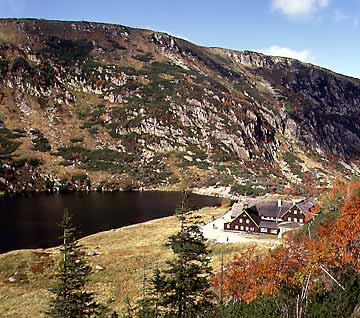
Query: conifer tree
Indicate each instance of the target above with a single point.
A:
(71, 298)
(183, 289)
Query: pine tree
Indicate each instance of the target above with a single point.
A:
(71, 299)
(183, 289)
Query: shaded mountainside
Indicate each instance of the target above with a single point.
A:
(107, 106)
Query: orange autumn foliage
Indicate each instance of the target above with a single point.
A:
(346, 233)
(293, 263)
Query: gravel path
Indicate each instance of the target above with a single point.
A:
(214, 231)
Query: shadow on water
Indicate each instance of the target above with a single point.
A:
(31, 221)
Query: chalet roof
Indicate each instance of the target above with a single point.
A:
(306, 204)
(269, 224)
(267, 208)
(270, 208)
(236, 209)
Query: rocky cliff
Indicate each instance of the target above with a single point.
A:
(100, 106)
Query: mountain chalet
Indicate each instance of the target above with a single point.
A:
(268, 216)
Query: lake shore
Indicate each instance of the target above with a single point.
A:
(118, 258)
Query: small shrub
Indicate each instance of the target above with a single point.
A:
(4, 66)
(147, 57)
(289, 108)
(174, 180)
(7, 145)
(116, 45)
(80, 178)
(35, 162)
(290, 158)
(41, 144)
(77, 139)
(93, 130)
(19, 163)
(20, 64)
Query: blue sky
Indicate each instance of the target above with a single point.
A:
(323, 32)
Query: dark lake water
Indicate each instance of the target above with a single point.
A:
(31, 221)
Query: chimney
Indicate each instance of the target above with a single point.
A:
(279, 203)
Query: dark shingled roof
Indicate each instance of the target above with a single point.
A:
(307, 204)
(269, 224)
(236, 209)
(269, 208)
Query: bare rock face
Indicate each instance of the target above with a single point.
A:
(325, 105)
(130, 107)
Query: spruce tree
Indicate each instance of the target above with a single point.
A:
(71, 298)
(182, 290)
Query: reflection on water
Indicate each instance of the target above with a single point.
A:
(31, 221)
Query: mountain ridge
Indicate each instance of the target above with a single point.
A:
(143, 108)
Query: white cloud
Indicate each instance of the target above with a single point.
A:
(298, 8)
(302, 55)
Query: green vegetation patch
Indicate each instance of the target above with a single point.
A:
(157, 68)
(80, 177)
(4, 66)
(290, 158)
(116, 45)
(290, 109)
(155, 171)
(95, 160)
(147, 57)
(42, 75)
(67, 51)
(92, 118)
(7, 143)
(293, 162)
(77, 139)
(19, 163)
(41, 144)
(247, 189)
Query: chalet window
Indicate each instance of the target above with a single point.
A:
(247, 228)
(241, 220)
(241, 228)
(289, 219)
(263, 230)
(236, 227)
(252, 229)
(228, 226)
(295, 211)
(295, 219)
(247, 221)
(301, 220)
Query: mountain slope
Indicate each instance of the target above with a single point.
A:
(106, 106)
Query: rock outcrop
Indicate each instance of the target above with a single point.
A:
(108, 107)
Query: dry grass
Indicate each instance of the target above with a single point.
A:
(123, 253)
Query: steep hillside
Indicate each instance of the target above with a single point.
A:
(106, 106)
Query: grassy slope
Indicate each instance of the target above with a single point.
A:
(122, 253)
